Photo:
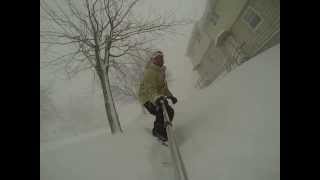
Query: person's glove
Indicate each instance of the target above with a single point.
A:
(151, 107)
(159, 99)
(173, 99)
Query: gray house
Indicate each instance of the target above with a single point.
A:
(231, 32)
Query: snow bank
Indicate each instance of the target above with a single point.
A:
(132, 155)
(230, 130)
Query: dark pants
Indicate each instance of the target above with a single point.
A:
(156, 110)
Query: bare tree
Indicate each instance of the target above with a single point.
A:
(100, 35)
(127, 76)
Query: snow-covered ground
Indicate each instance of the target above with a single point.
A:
(230, 130)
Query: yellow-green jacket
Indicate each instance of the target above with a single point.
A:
(153, 84)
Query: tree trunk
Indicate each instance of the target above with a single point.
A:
(112, 114)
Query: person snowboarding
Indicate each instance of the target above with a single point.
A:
(154, 89)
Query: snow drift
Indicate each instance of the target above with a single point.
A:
(230, 130)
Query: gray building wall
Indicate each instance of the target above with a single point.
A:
(223, 39)
(269, 11)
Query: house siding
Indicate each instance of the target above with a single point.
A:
(269, 10)
(213, 53)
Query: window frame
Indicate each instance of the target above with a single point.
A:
(213, 17)
(248, 23)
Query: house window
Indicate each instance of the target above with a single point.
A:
(252, 18)
(196, 33)
(213, 17)
(197, 37)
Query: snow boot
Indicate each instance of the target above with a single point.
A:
(161, 136)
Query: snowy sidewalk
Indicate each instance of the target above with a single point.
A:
(134, 155)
